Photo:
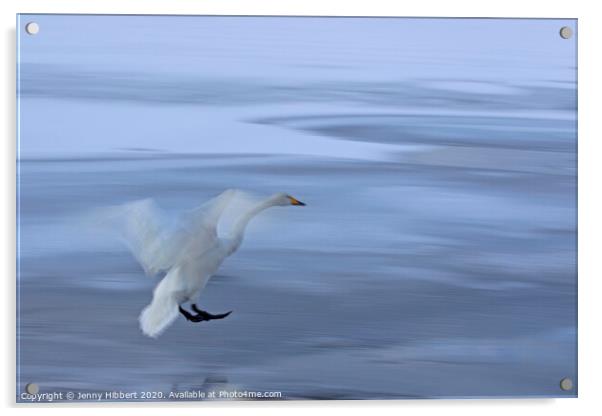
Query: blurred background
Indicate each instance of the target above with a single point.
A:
(436, 256)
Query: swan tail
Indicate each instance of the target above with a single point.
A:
(160, 314)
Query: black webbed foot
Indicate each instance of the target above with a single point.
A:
(201, 315)
(209, 316)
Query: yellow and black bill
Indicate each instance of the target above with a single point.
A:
(295, 201)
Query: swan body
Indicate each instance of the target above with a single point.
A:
(189, 252)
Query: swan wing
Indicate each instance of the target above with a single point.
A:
(149, 235)
(159, 243)
(204, 219)
(197, 228)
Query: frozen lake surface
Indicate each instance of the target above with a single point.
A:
(399, 278)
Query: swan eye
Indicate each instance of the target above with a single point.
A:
(295, 201)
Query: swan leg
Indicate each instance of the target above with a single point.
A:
(201, 315)
(189, 316)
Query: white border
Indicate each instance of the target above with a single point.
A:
(590, 68)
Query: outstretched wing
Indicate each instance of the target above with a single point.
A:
(204, 219)
(148, 234)
(158, 243)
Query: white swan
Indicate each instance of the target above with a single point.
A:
(190, 252)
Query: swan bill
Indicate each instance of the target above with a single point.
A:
(295, 201)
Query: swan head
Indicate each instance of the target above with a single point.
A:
(283, 199)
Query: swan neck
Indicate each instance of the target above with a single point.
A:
(239, 228)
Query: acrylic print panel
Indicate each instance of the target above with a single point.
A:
(435, 255)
